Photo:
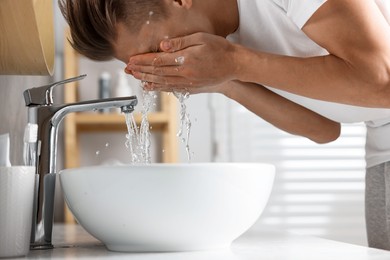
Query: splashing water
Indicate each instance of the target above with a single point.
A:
(185, 122)
(149, 98)
(180, 60)
(132, 142)
(138, 140)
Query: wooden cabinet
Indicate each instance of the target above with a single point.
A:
(164, 120)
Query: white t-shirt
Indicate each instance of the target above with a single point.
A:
(274, 26)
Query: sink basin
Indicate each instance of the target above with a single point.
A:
(168, 207)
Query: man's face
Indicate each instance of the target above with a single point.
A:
(147, 39)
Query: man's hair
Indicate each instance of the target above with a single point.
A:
(92, 22)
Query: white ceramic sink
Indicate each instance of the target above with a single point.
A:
(168, 207)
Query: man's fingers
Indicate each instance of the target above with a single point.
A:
(155, 70)
(173, 45)
(164, 88)
(169, 81)
(181, 43)
(156, 59)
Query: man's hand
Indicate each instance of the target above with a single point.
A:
(195, 63)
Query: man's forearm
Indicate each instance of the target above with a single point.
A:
(283, 113)
(326, 78)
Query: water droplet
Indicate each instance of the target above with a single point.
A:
(151, 127)
(185, 122)
(163, 150)
(147, 22)
(151, 13)
(180, 60)
(97, 153)
(107, 145)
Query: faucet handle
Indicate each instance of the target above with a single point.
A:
(43, 96)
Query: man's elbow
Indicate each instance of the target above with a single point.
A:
(381, 76)
(328, 134)
(379, 79)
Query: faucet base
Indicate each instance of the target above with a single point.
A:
(41, 246)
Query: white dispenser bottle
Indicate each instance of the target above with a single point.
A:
(104, 88)
(123, 89)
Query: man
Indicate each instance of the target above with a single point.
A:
(304, 66)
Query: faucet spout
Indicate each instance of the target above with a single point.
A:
(126, 104)
(48, 118)
(53, 115)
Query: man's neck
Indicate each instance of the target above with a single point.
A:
(223, 15)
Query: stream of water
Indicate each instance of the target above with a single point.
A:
(185, 122)
(138, 139)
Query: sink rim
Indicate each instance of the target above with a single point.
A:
(268, 166)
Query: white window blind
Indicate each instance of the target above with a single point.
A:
(318, 190)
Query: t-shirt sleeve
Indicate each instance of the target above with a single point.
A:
(299, 11)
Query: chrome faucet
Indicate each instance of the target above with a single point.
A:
(47, 116)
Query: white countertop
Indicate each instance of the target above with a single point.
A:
(72, 242)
